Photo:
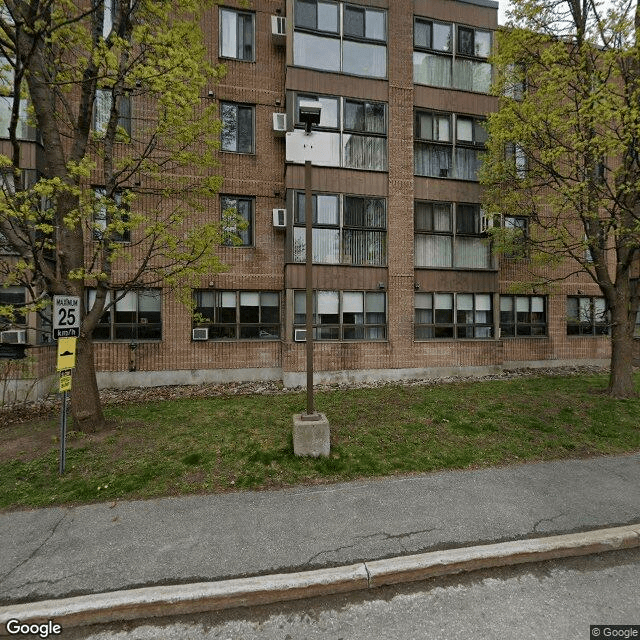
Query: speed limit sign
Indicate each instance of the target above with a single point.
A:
(66, 317)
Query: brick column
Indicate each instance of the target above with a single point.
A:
(401, 189)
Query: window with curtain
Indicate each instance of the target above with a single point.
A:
(433, 49)
(102, 112)
(448, 145)
(237, 35)
(453, 315)
(437, 62)
(340, 37)
(448, 235)
(135, 315)
(587, 316)
(344, 315)
(517, 159)
(515, 84)
(237, 127)
(523, 316)
(359, 126)
(236, 209)
(347, 229)
(238, 315)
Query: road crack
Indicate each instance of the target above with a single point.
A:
(539, 522)
(36, 550)
(383, 535)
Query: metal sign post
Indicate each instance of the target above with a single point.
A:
(63, 433)
(66, 362)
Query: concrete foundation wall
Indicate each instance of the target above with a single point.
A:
(296, 379)
(14, 391)
(127, 379)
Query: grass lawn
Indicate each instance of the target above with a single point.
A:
(223, 443)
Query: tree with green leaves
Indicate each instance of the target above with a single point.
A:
(108, 161)
(564, 151)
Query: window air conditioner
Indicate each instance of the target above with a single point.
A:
(15, 336)
(279, 218)
(280, 123)
(300, 335)
(279, 30)
(200, 333)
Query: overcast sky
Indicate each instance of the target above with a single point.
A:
(502, 10)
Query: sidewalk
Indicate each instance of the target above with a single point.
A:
(59, 552)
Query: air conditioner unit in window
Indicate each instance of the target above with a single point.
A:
(279, 30)
(279, 218)
(15, 336)
(200, 333)
(280, 123)
(300, 335)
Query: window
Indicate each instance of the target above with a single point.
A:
(237, 35)
(237, 127)
(355, 129)
(238, 315)
(518, 233)
(344, 315)
(587, 316)
(523, 316)
(346, 229)
(470, 140)
(453, 315)
(515, 81)
(136, 315)
(438, 155)
(448, 235)
(437, 62)
(13, 300)
(434, 158)
(109, 16)
(112, 19)
(474, 42)
(102, 113)
(23, 130)
(517, 159)
(44, 325)
(358, 49)
(111, 213)
(237, 209)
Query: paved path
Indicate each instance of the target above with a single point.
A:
(52, 553)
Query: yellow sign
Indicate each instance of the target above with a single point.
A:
(65, 381)
(66, 353)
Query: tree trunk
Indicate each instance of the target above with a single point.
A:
(85, 399)
(621, 383)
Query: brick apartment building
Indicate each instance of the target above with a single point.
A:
(406, 284)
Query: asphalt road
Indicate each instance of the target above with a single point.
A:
(544, 601)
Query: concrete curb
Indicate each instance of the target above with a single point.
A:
(226, 594)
